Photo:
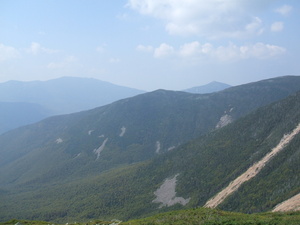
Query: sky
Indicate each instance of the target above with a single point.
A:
(150, 44)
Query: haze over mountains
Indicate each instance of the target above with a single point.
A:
(23, 103)
(213, 86)
(66, 94)
(154, 152)
(16, 114)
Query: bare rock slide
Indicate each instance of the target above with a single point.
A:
(252, 171)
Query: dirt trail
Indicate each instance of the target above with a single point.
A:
(252, 171)
(292, 204)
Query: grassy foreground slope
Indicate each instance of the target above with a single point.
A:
(214, 216)
(195, 216)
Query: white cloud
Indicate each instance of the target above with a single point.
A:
(255, 27)
(194, 50)
(35, 48)
(101, 48)
(114, 60)
(284, 10)
(190, 49)
(123, 16)
(71, 59)
(213, 18)
(58, 65)
(163, 50)
(277, 26)
(262, 51)
(227, 53)
(255, 51)
(231, 52)
(8, 52)
(144, 48)
(54, 65)
(42, 33)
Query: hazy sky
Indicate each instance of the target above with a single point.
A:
(150, 44)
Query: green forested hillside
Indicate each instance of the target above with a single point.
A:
(130, 130)
(58, 187)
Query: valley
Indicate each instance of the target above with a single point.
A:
(150, 112)
(157, 152)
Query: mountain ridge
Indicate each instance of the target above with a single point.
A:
(153, 123)
(58, 96)
(66, 94)
(200, 165)
(211, 87)
(133, 200)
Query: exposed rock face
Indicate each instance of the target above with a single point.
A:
(252, 171)
(58, 140)
(224, 120)
(292, 204)
(157, 145)
(123, 130)
(100, 149)
(166, 194)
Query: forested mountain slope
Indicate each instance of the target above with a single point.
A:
(127, 131)
(54, 170)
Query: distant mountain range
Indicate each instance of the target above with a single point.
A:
(65, 95)
(16, 114)
(24, 103)
(155, 152)
(208, 88)
(59, 96)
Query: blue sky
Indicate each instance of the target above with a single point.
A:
(150, 44)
